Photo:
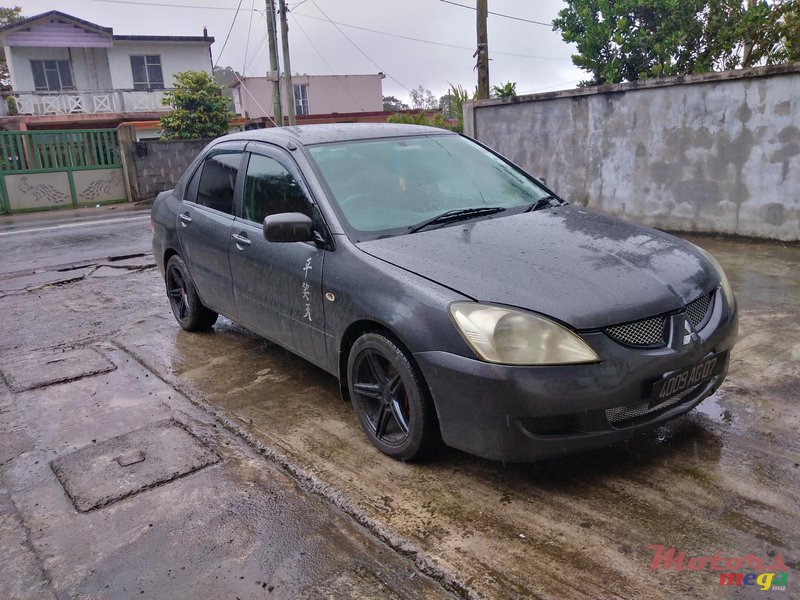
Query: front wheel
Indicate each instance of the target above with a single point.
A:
(391, 399)
(183, 299)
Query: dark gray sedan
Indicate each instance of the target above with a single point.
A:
(453, 296)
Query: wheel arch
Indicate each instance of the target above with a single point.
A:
(354, 331)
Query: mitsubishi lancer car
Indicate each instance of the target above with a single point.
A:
(453, 295)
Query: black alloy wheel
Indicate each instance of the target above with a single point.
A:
(183, 299)
(391, 399)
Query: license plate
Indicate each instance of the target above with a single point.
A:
(680, 381)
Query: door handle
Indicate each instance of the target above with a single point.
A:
(241, 240)
(185, 218)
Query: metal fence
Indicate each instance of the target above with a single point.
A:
(40, 170)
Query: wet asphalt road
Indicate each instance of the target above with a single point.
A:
(67, 238)
(725, 478)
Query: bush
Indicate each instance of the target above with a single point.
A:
(424, 118)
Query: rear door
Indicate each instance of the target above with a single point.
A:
(277, 287)
(204, 225)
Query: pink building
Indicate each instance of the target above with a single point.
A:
(313, 95)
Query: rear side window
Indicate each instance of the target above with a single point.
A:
(270, 189)
(218, 181)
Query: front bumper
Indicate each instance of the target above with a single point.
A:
(525, 413)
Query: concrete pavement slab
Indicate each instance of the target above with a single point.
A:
(100, 474)
(55, 365)
(237, 528)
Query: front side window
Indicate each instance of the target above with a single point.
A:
(300, 99)
(270, 189)
(52, 75)
(147, 73)
(218, 181)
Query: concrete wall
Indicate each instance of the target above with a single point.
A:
(326, 94)
(715, 153)
(175, 57)
(153, 166)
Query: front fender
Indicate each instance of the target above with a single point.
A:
(412, 308)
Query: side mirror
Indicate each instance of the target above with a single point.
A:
(288, 227)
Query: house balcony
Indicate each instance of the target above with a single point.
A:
(75, 102)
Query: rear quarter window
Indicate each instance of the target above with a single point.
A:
(215, 181)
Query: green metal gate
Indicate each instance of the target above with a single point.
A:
(44, 170)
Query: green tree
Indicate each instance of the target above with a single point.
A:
(393, 104)
(459, 96)
(628, 40)
(8, 15)
(227, 77)
(199, 110)
(505, 90)
(422, 98)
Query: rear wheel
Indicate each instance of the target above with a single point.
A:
(391, 399)
(183, 299)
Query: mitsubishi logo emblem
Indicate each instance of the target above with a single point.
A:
(691, 335)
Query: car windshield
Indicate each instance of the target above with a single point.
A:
(389, 186)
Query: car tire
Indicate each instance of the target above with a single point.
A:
(391, 398)
(183, 299)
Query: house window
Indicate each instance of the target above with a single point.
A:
(147, 73)
(300, 99)
(52, 75)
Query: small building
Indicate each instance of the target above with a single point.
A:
(313, 95)
(69, 73)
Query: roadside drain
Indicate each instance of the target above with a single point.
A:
(54, 365)
(100, 474)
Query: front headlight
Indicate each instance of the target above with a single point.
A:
(727, 290)
(512, 337)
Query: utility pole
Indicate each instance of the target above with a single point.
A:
(287, 66)
(274, 72)
(483, 50)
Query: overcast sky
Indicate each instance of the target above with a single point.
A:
(532, 55)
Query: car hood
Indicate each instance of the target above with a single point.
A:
(578, 266)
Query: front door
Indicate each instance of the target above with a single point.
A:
(204, 227)
(277, 287)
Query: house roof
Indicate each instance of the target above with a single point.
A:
(28, 21)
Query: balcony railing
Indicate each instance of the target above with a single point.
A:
(79, 102)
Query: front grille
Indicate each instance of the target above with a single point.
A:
(647, 332)
(620, 415)
(698, 310)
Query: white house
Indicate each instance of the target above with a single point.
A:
(313, 94)
(62, 65)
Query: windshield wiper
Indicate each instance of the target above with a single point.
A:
(456, 215)
(541, 203)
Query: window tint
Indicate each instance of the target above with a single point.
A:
(218, 180)
(270, 189)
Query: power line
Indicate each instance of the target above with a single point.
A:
(166, 5)
(424, 41)
(496, 14)
(247, 44)
(322, 58)
(357, 47)
(549, 87)
(227, 37)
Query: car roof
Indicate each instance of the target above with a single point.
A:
(334, 132)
